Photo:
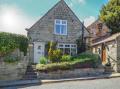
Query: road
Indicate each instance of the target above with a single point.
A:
(113, 83)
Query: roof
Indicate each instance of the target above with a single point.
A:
(111, 38)
(92, 23)
(97, 33)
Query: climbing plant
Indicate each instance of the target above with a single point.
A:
(81, 46)
(9, 42)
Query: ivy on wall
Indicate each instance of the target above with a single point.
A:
(9, 42)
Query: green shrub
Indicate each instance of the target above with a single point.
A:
(86, 63)
(54, 55)
(85, 55)
(53, 67)
(57, 54)
(66, 58)
(10, 59)
(43, 60)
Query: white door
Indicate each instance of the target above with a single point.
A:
(38, 51)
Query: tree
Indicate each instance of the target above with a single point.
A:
(110, 14)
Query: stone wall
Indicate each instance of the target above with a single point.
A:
(16, 70)
(13, 71)
(71, 73)
(111, 54)
(118, 53)
(43, 30)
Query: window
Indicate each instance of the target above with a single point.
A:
(60, 27)
(69, 49)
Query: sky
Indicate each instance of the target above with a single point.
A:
(16, 15)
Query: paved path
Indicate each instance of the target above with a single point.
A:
(113, 83)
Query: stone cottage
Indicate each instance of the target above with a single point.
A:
(106, 45)
(60, 25)
(109, 51)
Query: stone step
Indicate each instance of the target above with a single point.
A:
(30, 77)
(30, 73)
(108, 69)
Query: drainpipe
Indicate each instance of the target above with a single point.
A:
(83, 32)
(82, 36)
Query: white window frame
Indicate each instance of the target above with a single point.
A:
(55, 32)
(70, 46)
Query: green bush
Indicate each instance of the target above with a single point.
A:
(87, 63)
(55, 55)
(66, 58)
(10, 59)
(53, 67)
(84, 60)
(43, 60)
(85, 55)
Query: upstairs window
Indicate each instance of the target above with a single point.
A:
(60, 27)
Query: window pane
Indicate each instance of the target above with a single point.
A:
(57, 21)
(63, 29)
(73, 46)
(73, 51)
(67, 45)
(64, 22)
(58, 29)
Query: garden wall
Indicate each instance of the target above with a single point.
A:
(14, 71)
(71, 73)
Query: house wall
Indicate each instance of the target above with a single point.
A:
(43, 30)
(112, 52)
(118, 53)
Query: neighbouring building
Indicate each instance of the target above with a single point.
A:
(106, 45)
(60, 25)
(98, 31)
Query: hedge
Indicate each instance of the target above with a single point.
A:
(9, 42)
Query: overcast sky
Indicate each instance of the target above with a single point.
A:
(16, 15)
